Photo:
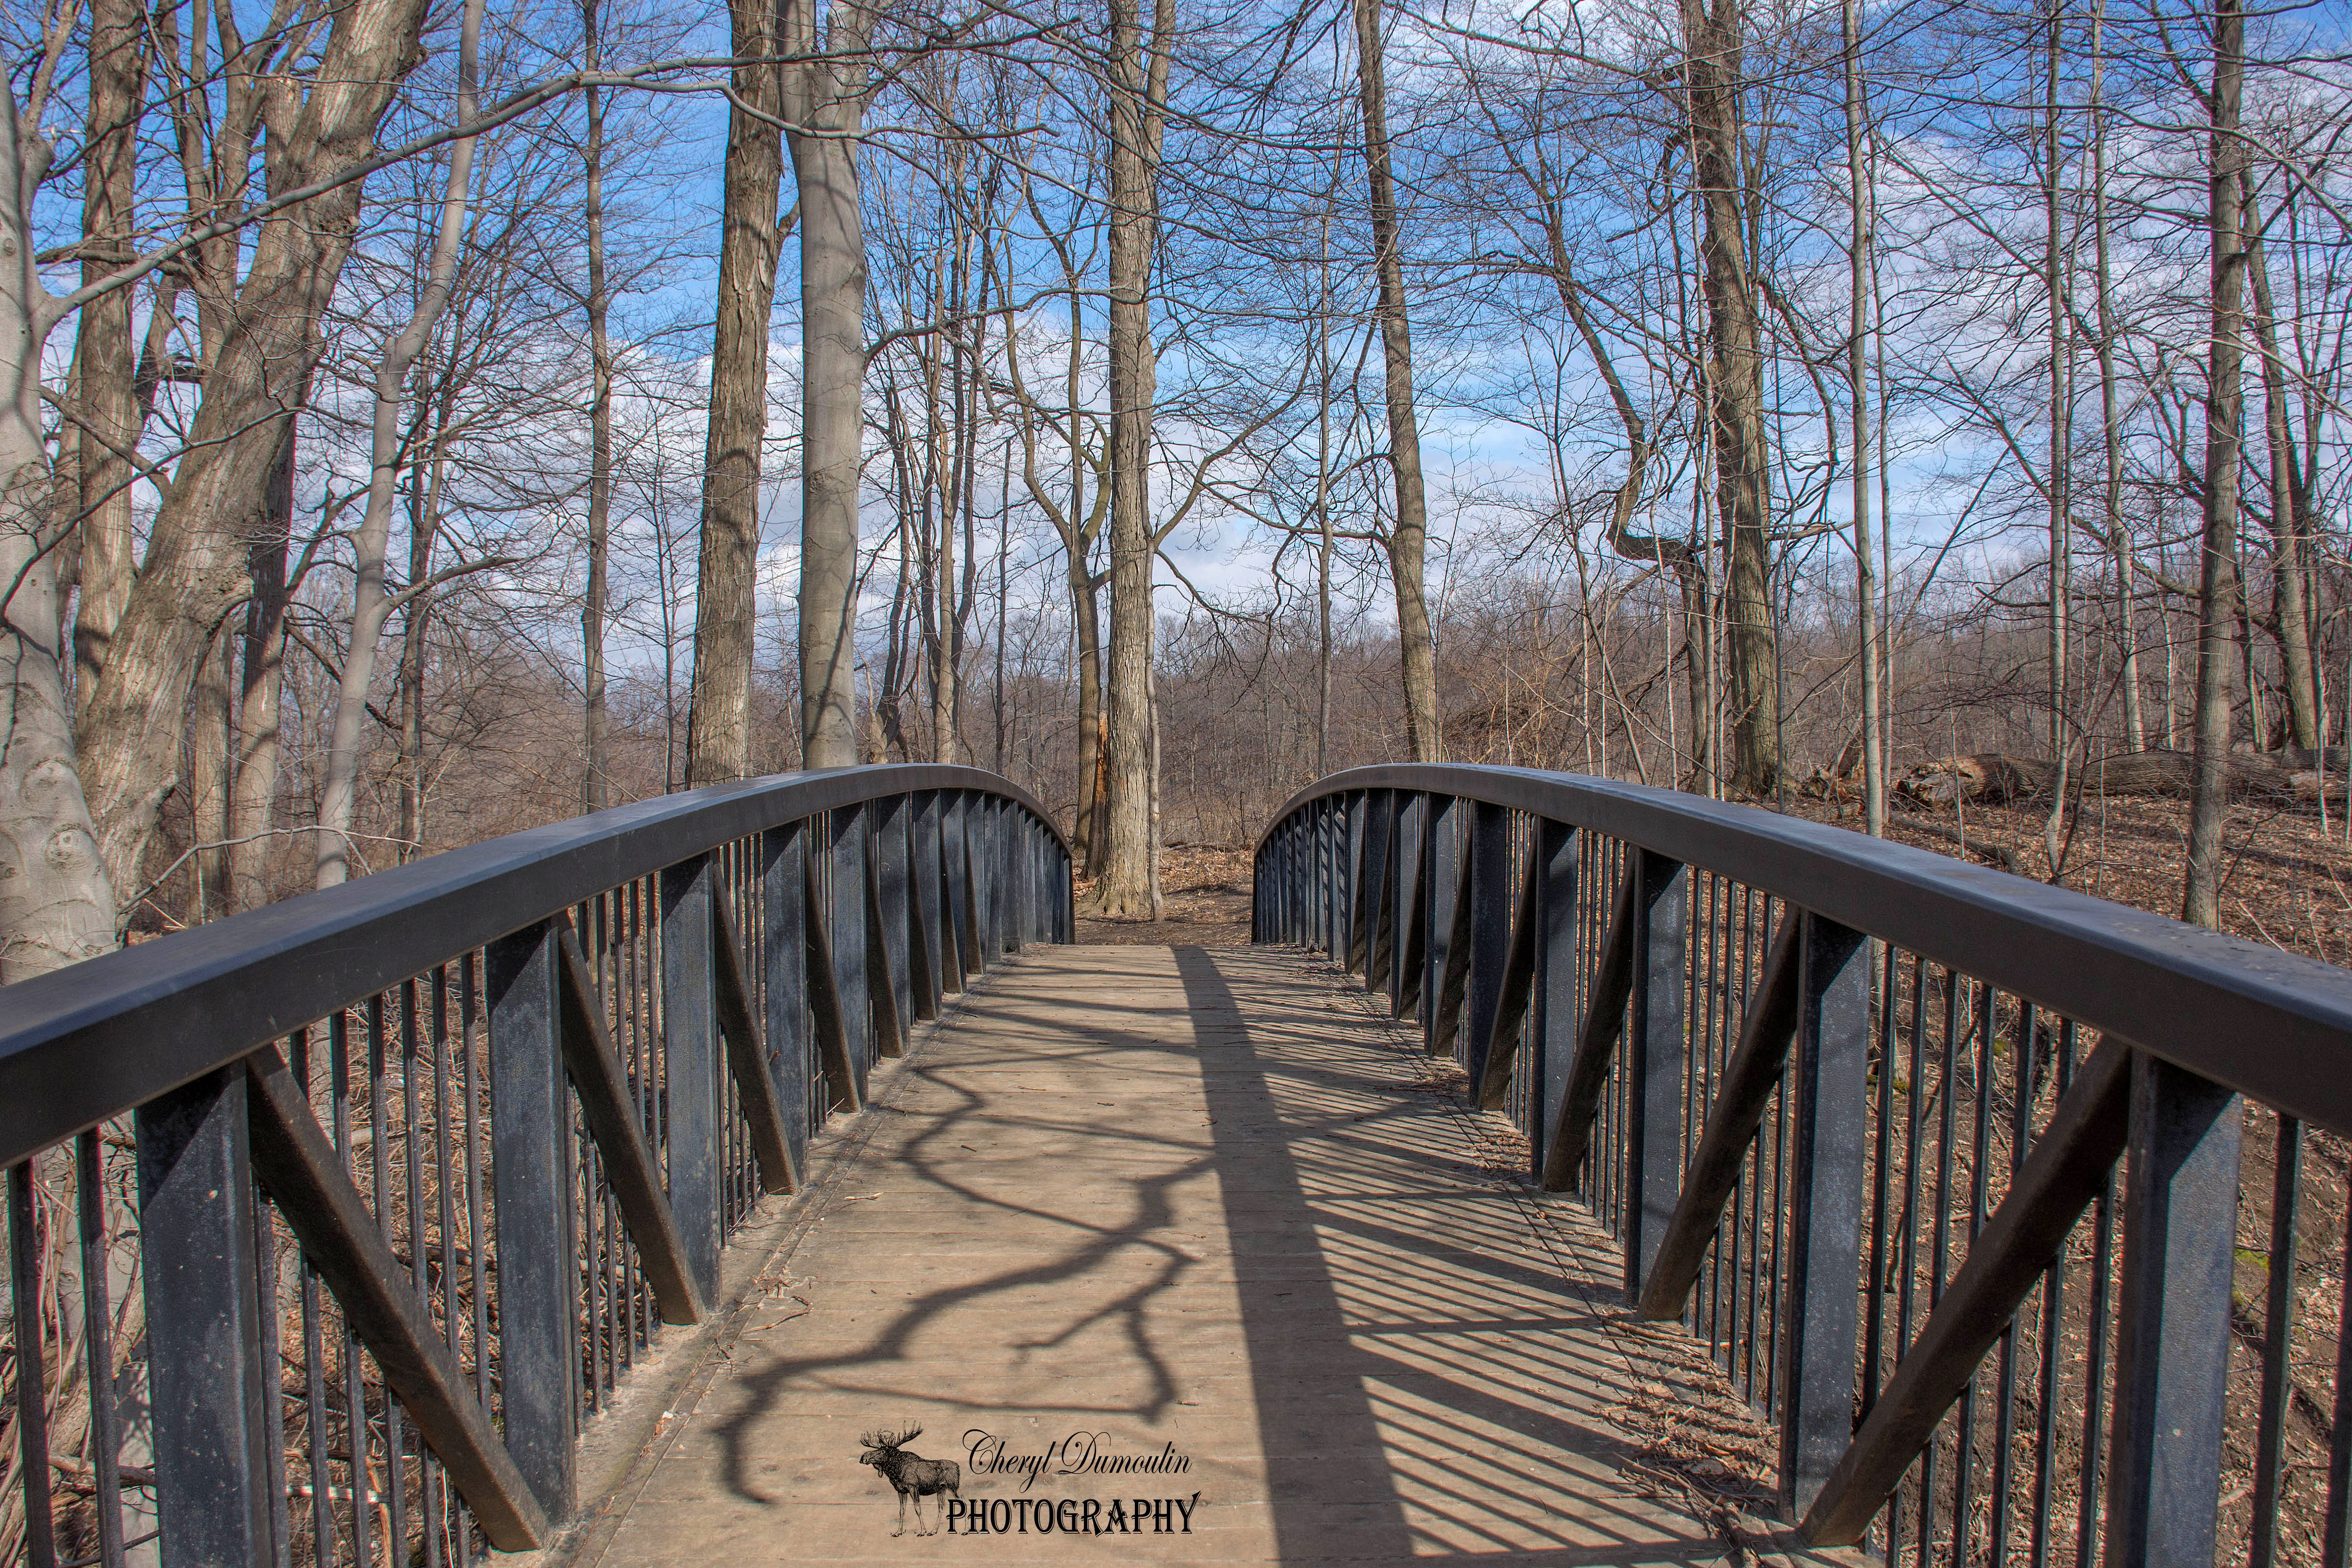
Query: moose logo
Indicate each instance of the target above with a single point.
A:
(913, 1476)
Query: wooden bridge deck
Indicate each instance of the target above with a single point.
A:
(1202, 1203)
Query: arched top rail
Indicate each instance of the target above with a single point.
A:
(2272, 1024)
(97, 1038)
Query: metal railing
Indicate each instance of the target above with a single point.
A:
(2020, 1214)
(331, 1224)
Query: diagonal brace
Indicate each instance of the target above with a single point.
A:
(753, 1082)
(2065, 1171)
(1604, 1020)
(1518, 988)
(339, 1238)
(1748, 1080)
(601, 1085)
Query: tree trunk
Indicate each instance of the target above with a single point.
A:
(370, 604)
(56, 905)
(2060, 479)
(1126, 887)
(1408, 541)
(826, 98)
(105, 364)
(2111, 502)
(2291, 619)
(726, 607)
(126, 730)
(1859, 204)
(595, 723)
(1712, 65)
(212, 731)
(254, 803)
(2217, 605)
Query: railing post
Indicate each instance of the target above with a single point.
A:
(1490, 931)
(847, 929)
(1829, 1066)
(784, 958)
(956, 956)
(690, 1060)
(1404, 877)
(980, 845)
(1335, 830)
(1348, 951)
(531, 1182)
(1443, 856)
(205, 1351)
(924, 902)
(1375, 933)
(1654, 1060)
(2173, 1341)
(1553, 1017)
(890, 856)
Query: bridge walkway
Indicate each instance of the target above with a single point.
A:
(1210, 1206)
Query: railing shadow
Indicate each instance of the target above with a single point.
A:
(1063, 1187)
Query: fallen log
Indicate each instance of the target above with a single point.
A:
(2289, 777)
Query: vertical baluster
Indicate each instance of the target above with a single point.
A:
(2172, 1360)
(98, 1345)
(533, 1183)
(206, 1357)
(2278, 1330)
(1442, 870)
(32, 1370)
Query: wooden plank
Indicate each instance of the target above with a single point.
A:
(299, 1167)
(601, 1088)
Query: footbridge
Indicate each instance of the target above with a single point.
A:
(1568, 1173)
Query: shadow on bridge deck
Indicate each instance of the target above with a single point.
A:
(1194, 1201)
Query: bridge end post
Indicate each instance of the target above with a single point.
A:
(692, 1064)
(1656, 1049)
(531, 1184)
(2173, 1333)
(198, 1239)
(784, 958)
(1829, 1063)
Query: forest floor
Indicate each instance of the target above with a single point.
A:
(2286, 883)
(1206, 889)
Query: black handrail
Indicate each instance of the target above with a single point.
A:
(82, 1043)
(2273, 1025)
(501, 1111)
(1779, 1057)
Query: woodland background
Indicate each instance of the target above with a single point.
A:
(432, 419)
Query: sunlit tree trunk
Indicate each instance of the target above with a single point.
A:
(595, 722)
(1858, 272)
(1735, 365)
(370, 606)
(2219, 589)
(1408, 543)
(1127, 886)
(725, 609)
(824, 99)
